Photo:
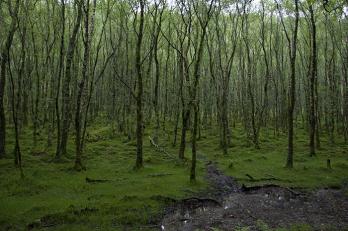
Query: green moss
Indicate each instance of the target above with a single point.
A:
(61, 197)
(269, 161)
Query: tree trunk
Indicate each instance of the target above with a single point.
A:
(140, 129)
(59, 77)
(292, 88)
(66, 107)
(79, 120)
(4, 58)
(194, 141)
(157, 74)
(312, 82)
(185, 125)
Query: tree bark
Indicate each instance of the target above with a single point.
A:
(4, 59)
(79, 120)
(139, 99)
(66, 107)
(59, 77)
(312, 82)
(292, 89)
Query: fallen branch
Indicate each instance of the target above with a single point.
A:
(89, 180)
(159, 174)
(160, 149)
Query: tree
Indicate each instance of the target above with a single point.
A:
(139, 96)
(15, 93)
(4, 59)
(203, 19)
(292, 49)
(59, 77)
(157, 66)
(80, 99)
(222, 69)
(312, 81)
(66, 101)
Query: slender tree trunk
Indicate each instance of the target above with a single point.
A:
(139, 100)
(4, 59)
(59, 77)
(16, 97)
(36, 102)
(194, 98)
(185, 113)
(345, 91)
(176, 124)
(194, 144)
(66, 107)
(79, 120)
(185, 126)
(312, 82)
(157, 75)
(15, 107)
(292, 89)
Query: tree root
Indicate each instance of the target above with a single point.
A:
(255, 188)
(188, 203)
(196, 202)
(79, 167)
(270, 178)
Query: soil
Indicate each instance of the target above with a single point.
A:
(229, 206)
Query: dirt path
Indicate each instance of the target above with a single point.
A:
(273, 206)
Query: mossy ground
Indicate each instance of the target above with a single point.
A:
(63, 200)
(269, 160)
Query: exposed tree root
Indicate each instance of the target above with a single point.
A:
(196, 201)
(256, 188)
(270, 178)
(79, 167)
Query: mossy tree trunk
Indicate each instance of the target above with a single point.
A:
(4, 59)
(139, 96)
(66, 98)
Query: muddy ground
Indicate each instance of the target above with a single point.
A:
(230, 206)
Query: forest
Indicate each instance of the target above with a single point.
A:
(174, 115)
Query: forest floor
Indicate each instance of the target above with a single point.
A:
(110, 195)
(265, 207)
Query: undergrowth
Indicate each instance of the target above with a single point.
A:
(54, 195)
